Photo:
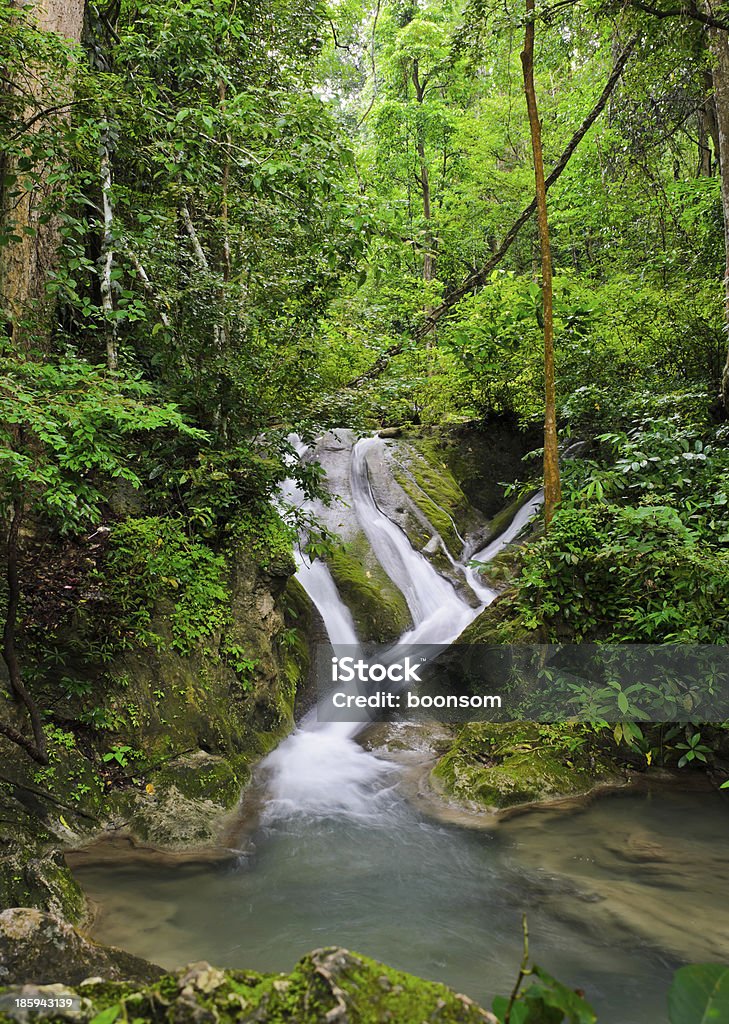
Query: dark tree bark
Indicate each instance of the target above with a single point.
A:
(719, 47)
(27, 261)
(37, 746)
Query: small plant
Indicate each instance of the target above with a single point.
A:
(244, 666)
(76, 687)
(120, 755)
(695, 750)
(287, 638)
(107, 719)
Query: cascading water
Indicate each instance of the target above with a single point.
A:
(439, 613)
(341, 857)
(320, 770)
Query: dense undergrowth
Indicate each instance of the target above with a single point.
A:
(240, 216)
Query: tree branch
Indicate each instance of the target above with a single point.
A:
(146, 284)
(374, 67)
(687, 10)
(107, 255)
(44, 113)
(479, 277)
(196, 247)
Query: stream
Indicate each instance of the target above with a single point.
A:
(618, 892)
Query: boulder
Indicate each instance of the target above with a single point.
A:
(41, 949)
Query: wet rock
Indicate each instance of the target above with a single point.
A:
(38, 948)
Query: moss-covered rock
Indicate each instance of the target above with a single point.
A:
(418, 466)
(328, 986)
(32, 831)
(158, 744)
(378, 608)
(482, 455)
(500, 765)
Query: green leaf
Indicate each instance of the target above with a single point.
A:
(551, 1002)
(699, 994)
(519, 1011)
(107, 1016)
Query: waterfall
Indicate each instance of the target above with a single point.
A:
(315, 578)
(319, 770)
(439, 613)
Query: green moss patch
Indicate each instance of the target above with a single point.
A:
(326, 985)
(500, 765)
(378, 608)
(428, 482)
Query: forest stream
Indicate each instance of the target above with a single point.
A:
(333, 851)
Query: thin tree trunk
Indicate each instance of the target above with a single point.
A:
(480, 276)
(107, 259)
(704, 167)
(552, 486)
(37, 748)
(428, 256)
(711, 119)
(147, 285)
(192, 234)
(719, 47)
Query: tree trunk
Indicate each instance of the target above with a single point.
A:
(428, 255)
(552, 486)
(37, 747)
(719, 46)
(106, 261)
(27, 261)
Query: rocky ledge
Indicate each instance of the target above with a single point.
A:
(328, 986)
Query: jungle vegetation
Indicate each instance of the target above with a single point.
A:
(223, 221)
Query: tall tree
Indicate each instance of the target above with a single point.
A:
(30, 189)
(719, 46)
(552, 487)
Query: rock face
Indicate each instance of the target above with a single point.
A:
(502, 765)
(40, 949)
(328, 986)
(190, 728)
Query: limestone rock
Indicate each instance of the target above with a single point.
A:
(40, 949)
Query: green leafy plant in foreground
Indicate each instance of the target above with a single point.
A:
(699, 994)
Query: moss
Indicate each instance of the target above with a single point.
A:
(40, 880)
(481, 457)
(378, 608)
(205, 777)
(194, 724)
(500, 765)
(426, 479)
(327, 984)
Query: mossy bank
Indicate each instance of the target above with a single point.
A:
(326, 985)
(156, 741)
(494, 766)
